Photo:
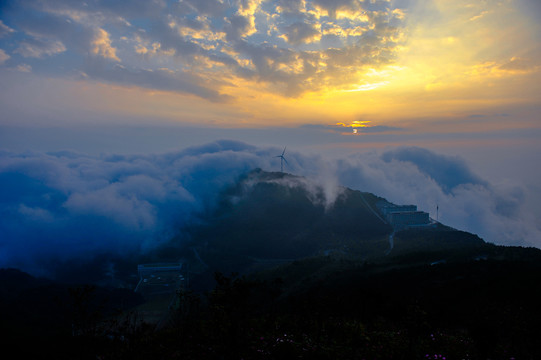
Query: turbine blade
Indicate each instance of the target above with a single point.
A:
(283, 152)
(285, 161)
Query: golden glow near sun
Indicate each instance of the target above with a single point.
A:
(355, 125)
(368, 87)
(241, 63)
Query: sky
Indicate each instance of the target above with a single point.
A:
(426, 102)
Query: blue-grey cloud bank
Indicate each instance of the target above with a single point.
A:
(65, 205)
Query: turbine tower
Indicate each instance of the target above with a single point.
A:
(282, 159)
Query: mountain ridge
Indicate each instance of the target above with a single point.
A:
(302, 279)
(272, 218)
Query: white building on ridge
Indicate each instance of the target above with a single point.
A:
(403, 216)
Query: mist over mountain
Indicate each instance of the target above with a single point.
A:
(268, 219)
(273, 216)
(278, 264)
(68, 207)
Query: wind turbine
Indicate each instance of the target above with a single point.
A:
(282, 159)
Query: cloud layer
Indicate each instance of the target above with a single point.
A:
(64, 206)
(202, 47)
(418, 176)
(67, 205)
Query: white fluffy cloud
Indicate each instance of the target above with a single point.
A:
(101, 45)
(68, 205)
(497, 213)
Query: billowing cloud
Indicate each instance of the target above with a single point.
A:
(101, 45)
(290, 47)
(497, 213)
(300, 33)
(67, 205)
(448, 172)
(64, 206)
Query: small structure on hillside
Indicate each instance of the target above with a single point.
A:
(159, 285)
(409, 218)
(403, 216)
(147, 269)
(159, 277)
(387, 208)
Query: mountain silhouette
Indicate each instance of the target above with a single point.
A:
(271, 218)
(321, 272)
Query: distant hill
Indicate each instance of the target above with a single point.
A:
(41, 316)
(278, 216)
(323, 275)
(320, 279)
(271, 218)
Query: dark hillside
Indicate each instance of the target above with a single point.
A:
(484, 309)
(277, 216)
(319, 281)
(44, 317)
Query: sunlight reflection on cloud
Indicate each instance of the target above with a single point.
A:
(258, 40)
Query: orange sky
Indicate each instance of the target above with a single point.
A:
(348, 86)
(440, 65)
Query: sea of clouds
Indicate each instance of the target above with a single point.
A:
(65, 205)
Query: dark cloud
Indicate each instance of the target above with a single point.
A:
(378, 129)
(183, 82)
(292, 7)
(334, 5)
(169, 38)
(208, 7)
(236, 27)
(299, 33)
(447, 171)
(340, 129)
(267, 59)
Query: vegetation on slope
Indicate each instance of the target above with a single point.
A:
(327, 287)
